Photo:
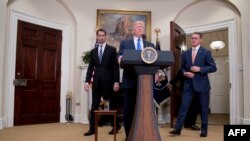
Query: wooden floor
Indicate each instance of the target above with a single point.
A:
(217, 119)
(74, 132)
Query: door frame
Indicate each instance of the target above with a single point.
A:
(233, 67)
(10, 63)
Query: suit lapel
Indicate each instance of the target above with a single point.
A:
(96, 54)
(198, 55)
(105, 52)
(145, 44)
(190, 56)
(131, 44)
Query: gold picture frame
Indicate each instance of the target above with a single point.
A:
(118, 24)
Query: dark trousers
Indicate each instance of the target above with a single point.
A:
(129, 108)
(192, 112)
(97, 93)
(186, 101)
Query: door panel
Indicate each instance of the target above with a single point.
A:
(219, 97)
(38, 60)
(177, 38)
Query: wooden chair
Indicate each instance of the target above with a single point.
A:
(104, 112)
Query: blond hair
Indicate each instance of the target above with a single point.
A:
(139, 23)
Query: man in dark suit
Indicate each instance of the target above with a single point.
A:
(196, 63)
(129, 79)
(103, 62)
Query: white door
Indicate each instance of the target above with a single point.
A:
(219, 94)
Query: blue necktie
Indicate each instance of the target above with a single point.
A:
(100, 54)
(139, 44)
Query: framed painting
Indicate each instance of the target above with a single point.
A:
(118, 24)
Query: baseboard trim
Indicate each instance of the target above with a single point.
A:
(246, 121)
(1, 123)
(79, 119)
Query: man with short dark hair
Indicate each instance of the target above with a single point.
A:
(103, 62)
(196, 63)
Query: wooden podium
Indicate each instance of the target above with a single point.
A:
(145, 126)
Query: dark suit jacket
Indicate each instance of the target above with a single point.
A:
(105, 73)
(129, 79)
(204, 60)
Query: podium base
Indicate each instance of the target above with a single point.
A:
(144, 127)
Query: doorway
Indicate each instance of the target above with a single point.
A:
(219, 94)
(219, 80)
(37, 77)
(11, 59)
(230, 25)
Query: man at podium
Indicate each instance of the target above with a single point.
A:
(129, 79)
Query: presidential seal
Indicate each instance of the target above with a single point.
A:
(149, 55)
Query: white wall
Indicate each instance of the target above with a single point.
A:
(208, 12)
(162, 12)
(86, 16)
(2, 49)
(243, 6)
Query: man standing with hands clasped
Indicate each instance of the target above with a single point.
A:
(196, 63)
(103, 62)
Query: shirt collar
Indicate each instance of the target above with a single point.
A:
(103, 45)
(196, 48)
(136, 39)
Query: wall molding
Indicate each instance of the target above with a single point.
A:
(11, 64)
(86, 99)
(1, 123)
(246, 121)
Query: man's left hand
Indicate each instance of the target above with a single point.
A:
(116, 86)
(195, 69)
